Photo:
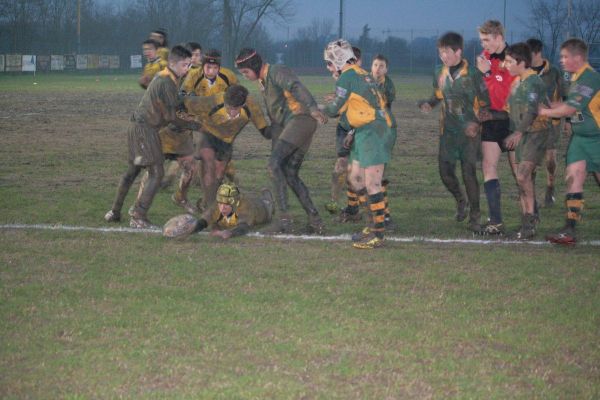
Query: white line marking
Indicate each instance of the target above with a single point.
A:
(345, 237)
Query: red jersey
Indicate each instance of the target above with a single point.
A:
(498, 81)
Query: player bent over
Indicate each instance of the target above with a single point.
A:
(459, 88)
(222, 117)
(361, 106)
(529, 131)
(156, 109)
(233, 214)
(583, 153)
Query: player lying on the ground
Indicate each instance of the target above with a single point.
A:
(233, 214)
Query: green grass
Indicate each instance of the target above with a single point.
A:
(115, 315)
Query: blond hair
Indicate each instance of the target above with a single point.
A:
(492, 27)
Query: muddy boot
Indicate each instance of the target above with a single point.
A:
(315, 224)
(564, 236)
(527, 229)
(461, 210)
(285, 224)
(349, 215)
(184, 203)
(475, 222)
(112, 216)
(267, 198)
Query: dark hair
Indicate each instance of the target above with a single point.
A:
(535, 45)
(179, 53)
(236, 95)
(193, 46)
(212, 56)
(249, 58)
(576, 46)
(451, 39)
(151, 42)
(381, 57)
(521, 53)
(162, 32)
(357, 52)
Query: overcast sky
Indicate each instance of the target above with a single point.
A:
(425, 17)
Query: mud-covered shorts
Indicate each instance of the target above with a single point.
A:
(554, 136)
(143, 143)
(223, 150)
(176, 142)
(372, 144)
(585, 148)
(532, 147)
(458, 146)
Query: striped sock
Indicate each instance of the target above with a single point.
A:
(574, 202)
(384, 186)
(352, 205)
(377, 207)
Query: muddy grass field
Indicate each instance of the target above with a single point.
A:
(122, 315)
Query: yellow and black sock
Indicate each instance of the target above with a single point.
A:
(377, 207)
(574, 202)
(352, 205)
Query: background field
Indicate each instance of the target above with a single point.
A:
(104, 315)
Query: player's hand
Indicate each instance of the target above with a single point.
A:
(472, 129)
(513, 140)
(225, 234)
(319, 116)
(328, 98)
(484, 65)
(349, 139)
(484, 115)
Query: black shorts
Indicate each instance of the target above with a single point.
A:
(223, 150)
(495, 130)
(340, 135)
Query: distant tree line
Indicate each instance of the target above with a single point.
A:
(50, 27)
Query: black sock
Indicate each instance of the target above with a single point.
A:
(492, 192)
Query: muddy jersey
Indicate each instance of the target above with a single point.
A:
(528, 92)
(212, 114)
(584, 96)
(462, 92)
(556, 88)
(498, 80)
(251, 211)
(158, 105)
(153, 67)
(388, 89)
(285, 96)
(196, 82)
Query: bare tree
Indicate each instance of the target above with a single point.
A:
(586, 20)
(242, 17)
(548, 20)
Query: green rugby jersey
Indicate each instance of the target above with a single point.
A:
(584, 96)
(462, 93)
(528, 91)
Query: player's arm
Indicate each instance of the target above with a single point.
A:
(436, 97)
(286, 79)
(258, 117)
(343, 90)
(170, 105)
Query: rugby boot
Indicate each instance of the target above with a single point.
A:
(461, 210)
(527, 229)
(285, 224)
(370, 241)
(475, 222)
(565, 236)
(112, 216)
(493, 229)
(359, 236)
(184, 203)
(315, 224)
(141, 223)
(139, 220)
(549, 199)
(347, 216)
(332, 207)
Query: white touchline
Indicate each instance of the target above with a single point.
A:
(346, 237)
